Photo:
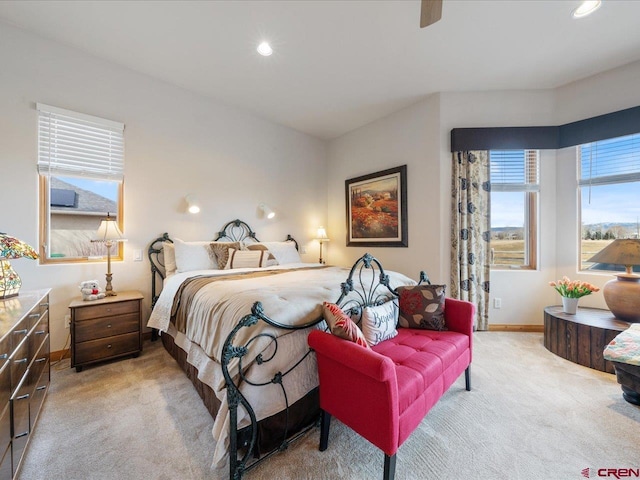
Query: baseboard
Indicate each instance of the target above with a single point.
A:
(66, 353)
(507, 327)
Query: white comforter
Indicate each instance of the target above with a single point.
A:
(289, 298)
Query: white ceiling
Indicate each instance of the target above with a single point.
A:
(338, 65)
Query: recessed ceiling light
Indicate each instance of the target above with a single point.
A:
(265, 49)
(586, 8)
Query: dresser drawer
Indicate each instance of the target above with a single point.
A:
(38, 394)
(103, 348)
(18, 362)
(39, 362)
(20, 411)
(19, 333)
(37, 336)
(106, 327)
(106, 310)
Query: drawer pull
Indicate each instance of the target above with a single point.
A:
(20, 332)
(21, 360)
(40, 332)
(23, 397)
(41, 387)
(21, 435)
(40, 360)
(109, 326)
(34, 315)
(4, 356)
(44, 304)
(109, 346)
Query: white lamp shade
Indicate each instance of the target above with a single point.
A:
(109, 231)
(322, 235)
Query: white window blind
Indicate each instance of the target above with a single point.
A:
(75, 144)
(611, 161)
(514, 170)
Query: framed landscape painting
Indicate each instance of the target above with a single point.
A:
(377, 209)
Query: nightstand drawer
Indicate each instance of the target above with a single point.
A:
(106, 310)
(94, 350)
(106, 327)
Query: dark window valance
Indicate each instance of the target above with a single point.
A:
(610, 125)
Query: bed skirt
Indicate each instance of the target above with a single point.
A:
(302, 413)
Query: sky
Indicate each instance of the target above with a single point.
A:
(104, 188)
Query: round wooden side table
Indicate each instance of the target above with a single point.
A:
(581, 338)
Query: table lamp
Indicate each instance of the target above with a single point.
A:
(322, 237)
(11, 248)
(109, 233)
(622, 294)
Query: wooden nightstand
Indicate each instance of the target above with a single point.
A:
(106, 328)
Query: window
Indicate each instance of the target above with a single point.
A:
(609, 184)
(514, 199)
(80, 164)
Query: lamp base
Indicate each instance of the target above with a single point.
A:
(623, 297)
(10, 282)
(108, 289)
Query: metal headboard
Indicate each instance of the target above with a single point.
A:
(233, 231)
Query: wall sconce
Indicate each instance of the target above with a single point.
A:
(109, 233)
(193, 206)
(322, 237)
(268, 213)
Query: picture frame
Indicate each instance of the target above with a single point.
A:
(377, 209)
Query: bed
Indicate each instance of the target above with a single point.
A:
(240, 334)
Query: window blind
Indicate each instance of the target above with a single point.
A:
(514, 170)
(75, 144)
(606, 162)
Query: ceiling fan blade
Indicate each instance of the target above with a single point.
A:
(430, 12)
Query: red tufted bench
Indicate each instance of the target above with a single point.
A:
(383, 393)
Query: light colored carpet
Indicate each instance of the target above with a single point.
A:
(530, 415)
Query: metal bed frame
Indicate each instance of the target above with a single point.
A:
(357, 292)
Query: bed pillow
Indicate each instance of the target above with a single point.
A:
(194, 256)
(271, 260)
(246, 259)
(379, 322)
(341, 325)
(169, 254)
(221, 251)
(422, 306)
(285, 252)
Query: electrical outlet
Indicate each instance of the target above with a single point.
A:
(67, 321)
(497, 303)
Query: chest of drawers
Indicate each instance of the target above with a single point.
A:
(105, 329)
(24, 373)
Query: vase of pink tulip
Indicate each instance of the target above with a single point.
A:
(571, 292)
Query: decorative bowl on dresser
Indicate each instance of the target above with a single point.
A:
(105, 329)
(24, 372)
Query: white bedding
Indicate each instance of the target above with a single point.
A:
(285, 301)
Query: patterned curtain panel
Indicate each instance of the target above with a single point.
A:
(471, 231)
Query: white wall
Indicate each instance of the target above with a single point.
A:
(407, 137)
(176, 143)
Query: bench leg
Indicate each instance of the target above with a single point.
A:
(325, 421)
(389, 466)
(467, 378)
